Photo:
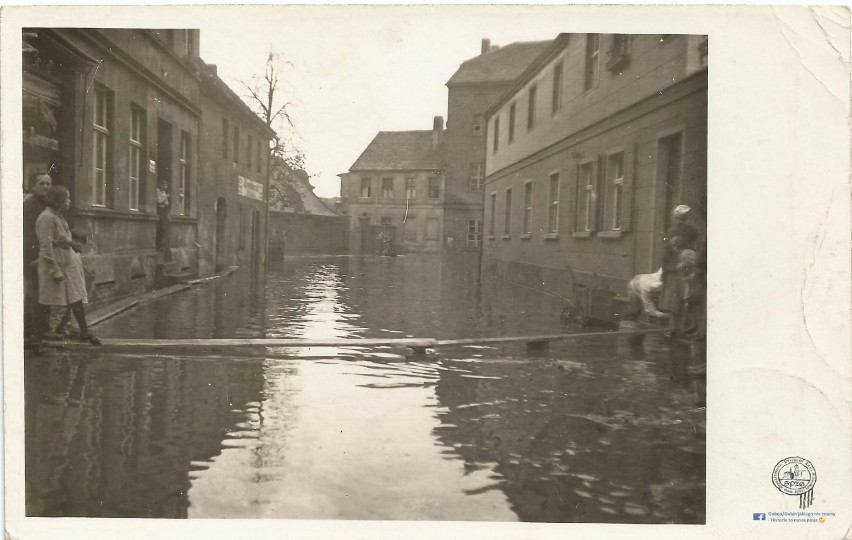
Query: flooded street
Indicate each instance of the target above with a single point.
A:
(594, 430)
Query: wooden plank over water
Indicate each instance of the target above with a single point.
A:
(414, 343)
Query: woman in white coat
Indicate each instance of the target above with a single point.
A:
(60, 268)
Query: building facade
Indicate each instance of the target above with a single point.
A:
(394, 192)
(587, 154)
(235, 168)
(471, 91)
(110, 114)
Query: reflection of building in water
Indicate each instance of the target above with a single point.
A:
(120, 438)
(568, 447)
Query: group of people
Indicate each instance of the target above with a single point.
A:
(679, 286)
(54, 277)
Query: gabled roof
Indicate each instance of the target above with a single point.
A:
(400, 151)
(500, 65)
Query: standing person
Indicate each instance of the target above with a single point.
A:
(163, 208)
(680, 236)
(35, 322)
(60, 267)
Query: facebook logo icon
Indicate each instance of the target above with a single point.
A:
(759, 517)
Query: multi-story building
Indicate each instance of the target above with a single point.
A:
(111, 114)
(474, 87)
(396, 189)
(234, 165)
(588, 152)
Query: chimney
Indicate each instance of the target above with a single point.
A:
(486, 45)
(437, 130)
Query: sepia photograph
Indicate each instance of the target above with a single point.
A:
(389, 264)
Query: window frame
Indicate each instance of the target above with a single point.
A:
(614, 213)
(554, 179)
(185, 172)
(367, 182)
(387, 192)
(592, 61)
(476, 176)
(135, 153)
(410, 187)
(492, 224)
(249, 148)
(474, 234)
(101, 139)
(478, 120)
(531, 107)
(512, 115)
(558, 81)
(507, 215)
(236, 156)
(586, 197)
(434, 181)
(226, 131)
(528, 208)
(496, 134)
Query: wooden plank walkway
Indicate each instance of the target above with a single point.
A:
(418, 344)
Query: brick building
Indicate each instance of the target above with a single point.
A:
(474, 87)
(396, 188)
(587, 154)
(234, 165)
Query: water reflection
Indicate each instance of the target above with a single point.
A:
(591, 431)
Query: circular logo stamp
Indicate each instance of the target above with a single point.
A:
(796, 476)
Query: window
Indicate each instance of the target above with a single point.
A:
(619, 54)
(137, 123)
(586, 199)
(432, 228)
(434, 187)
(528, 207)
(593, 53)
(615, 190)
(185, 185)
(101, 146)
(387, 221)
(496, 133)
(236, 144)
(531, 107)
(387, 188)
(410, 188)
(476, 170)
(557, 87)
(249, 148)
(366, 188)
(474, 233)
(225, 131)
(507, 223)
(188, 47)
(478, 120)
(553, 209)
(409, 225)
(512, 123)
(259, 154)
(493, 214)
(242, 237)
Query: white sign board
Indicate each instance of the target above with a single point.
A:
(249, 188)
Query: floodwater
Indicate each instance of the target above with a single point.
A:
(593, 430)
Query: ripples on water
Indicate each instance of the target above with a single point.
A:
(593, 431)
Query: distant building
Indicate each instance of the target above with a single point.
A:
(301, 223)
(396, 189)
(110, 114)
(234, 166)
(472, 90)
(587, 154)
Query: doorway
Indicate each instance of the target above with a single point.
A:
(221, 216)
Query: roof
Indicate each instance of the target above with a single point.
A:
(499, 65)
(298, 194)
(215, 86)
(399, 151)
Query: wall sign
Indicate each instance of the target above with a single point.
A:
(249, 188)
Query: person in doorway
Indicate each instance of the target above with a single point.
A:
(163, 211)
(35, 322)
(679, 237)
(60, 267)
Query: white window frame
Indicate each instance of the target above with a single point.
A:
(474, 233)
(553, 207)
(507, 217)
(184, 170)
(411, 187)
(137, 117)
(512, 116)
(492, 224)
(387, 193)
(101, 137)
(437, 181)
(615, 189)
(559, 69)
(476, 175)
(528, 207)
(368, 184)
(593, 61)
(588, 195)
(532, 105)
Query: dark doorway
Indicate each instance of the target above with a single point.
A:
(164, 183)
(670, 170)
(255, 239)
(221, 216)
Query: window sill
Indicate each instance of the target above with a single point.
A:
(551, 236)
(507, 237)
(103, 212)
(491, 237)
(610, 234)
(525, 236)
(582, 234)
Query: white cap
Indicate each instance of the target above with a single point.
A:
(681, 210)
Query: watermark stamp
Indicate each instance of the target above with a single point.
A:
(796, 476)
